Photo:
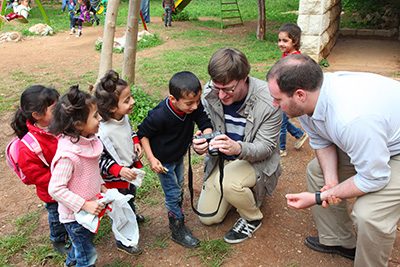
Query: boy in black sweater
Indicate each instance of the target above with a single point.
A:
(165, 134)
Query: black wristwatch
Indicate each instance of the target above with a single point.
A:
(318, 198)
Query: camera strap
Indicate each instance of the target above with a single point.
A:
(190, 184)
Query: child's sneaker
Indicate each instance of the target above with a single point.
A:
(62, 247)
(4, 19)
(79, 33)
(130, 250)
(283, 153)
(301, 140)
(72, 31)
(241, 231)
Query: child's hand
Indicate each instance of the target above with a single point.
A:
(91, 13)
(139, 150)
(156, 165)
(93, 207)
(127, 173)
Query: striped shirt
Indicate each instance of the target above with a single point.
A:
(234, 123)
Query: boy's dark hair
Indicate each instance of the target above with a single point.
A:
(296, 72)
(294, 33)
(36, 98)
(228, 64)
(107, 93)
(71, 109)
(183, 84)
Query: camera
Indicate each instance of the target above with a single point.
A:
(212, 151)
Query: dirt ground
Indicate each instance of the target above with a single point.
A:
(279, 242)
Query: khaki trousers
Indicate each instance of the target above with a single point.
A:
(374, 215)
(239, 178)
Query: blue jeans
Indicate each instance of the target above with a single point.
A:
(173, 183)
(287, 126)
(83, 253)
(145, 8)
(58, 233)
(168, 14)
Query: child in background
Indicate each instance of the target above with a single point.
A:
(168, 6)
(34, 115)
(166, 133)
(21, 12)
(76, 179)
(122, 148)
(289, 44)
(85, 11)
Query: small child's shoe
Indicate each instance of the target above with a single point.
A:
(130, 250)
(4, 19)
(79, 33)
(72, 31)
(98, 22)
(62, 247)
(283, 153)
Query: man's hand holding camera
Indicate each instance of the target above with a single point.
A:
(219, 142)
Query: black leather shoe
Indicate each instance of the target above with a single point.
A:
(313, 243)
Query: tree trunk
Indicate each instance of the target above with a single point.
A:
(108, 38)
(129, 63)
(261, 20)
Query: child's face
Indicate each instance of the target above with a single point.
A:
(125, 104)
(187, 103)
(44, 120)
(286, 45)
(25, 2)
(91, 126)
(80, 2)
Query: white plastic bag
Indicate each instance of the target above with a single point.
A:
(90, 221)
(124, 225)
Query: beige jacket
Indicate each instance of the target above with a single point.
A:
(260, 146)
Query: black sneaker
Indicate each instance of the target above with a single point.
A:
(130, 250)
(62, 247)
(140, 218)
(313, 243)
(241, 231)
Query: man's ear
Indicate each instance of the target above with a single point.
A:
(300, 94)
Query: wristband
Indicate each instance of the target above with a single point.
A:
(318, 198)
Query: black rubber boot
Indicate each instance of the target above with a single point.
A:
(181, 234)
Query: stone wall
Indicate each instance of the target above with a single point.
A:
(319, 21)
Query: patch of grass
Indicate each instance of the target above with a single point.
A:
(21, 242)
(104, 229)
(143, 103)
(160, 241)
(213, 252)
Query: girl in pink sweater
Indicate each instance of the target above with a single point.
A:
(76, 179)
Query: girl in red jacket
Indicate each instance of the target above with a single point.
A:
(34, 115)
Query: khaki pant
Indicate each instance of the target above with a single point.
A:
(239, 178)
(375, 215)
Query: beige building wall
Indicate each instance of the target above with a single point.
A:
(319, 21)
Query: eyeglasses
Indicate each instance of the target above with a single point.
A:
(226, 90)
